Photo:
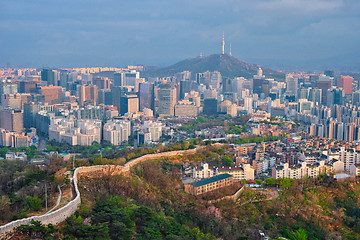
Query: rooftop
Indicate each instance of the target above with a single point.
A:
(211, 180)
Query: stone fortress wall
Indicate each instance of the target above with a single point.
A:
(63, 213)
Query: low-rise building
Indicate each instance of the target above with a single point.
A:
(16, 156)
(209, 184)
(239, 173)
(204, 172)
(355, 169)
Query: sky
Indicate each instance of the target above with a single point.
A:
(277, 33)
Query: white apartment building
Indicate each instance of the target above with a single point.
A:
(239, 173)
(75, 132)
(349, 157)
(154, 128)
(117, 131)
(204, 172)
(301, 170)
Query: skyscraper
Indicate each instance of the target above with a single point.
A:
(8, 87)
(146, 96)
(185, 87)
(345, 82)
(129, 104)
(49, 76)
(88, 93)
(167, 100)
(11, 119)
(291, 85)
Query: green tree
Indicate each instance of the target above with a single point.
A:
(34, 203)
(270, 182)
(300, 234)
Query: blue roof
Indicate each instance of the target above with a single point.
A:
(211, 180)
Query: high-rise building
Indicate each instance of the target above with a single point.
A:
(27, 87)
(329, 73)
(102, 82)
(129, 104)
(315, 96)
(185, 87)
(324, 85)
(11, 119)
(248, 104)
(210, 106)
(146, 96)
(117, 132)
(126, 78)
(345, 82)
(105, 96)
(49, 76)
(88, 94)
(167, 100)
(53, 94)
(227, 85)
(291, 85)
(8, 87)
(335, 96)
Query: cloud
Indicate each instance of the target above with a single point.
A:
(114, 32)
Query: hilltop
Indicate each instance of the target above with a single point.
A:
(227, 65)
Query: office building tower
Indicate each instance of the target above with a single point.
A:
(146, 96)
(167, 100)
(8, 87)
(291, 85)
(315, 95)
(185, 87)
(52, 94)
(88, 94)
(30, 110)
(118, 78)
(345, 82)
(210, 106)
(11, 120)
(324, 84)
(49, 76)
(116, 93)
(303, 93)
(27, 87)
(214, 79)
(227, 85)
(329, 73)
(129, 104)
(335, 96)
(102, 82)
(105, 96)
(356, 98)
(248, 104)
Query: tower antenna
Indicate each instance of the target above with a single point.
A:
(223, 44)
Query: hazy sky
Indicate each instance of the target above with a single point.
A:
(70, 33)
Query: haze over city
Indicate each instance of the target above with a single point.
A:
(181, 120)
(283, 34)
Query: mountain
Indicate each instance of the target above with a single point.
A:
(227, 65)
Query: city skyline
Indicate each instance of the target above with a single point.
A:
(279, 34)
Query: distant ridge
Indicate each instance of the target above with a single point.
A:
(227, 65)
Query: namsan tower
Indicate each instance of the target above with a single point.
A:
(223, 44)
(230, 50)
